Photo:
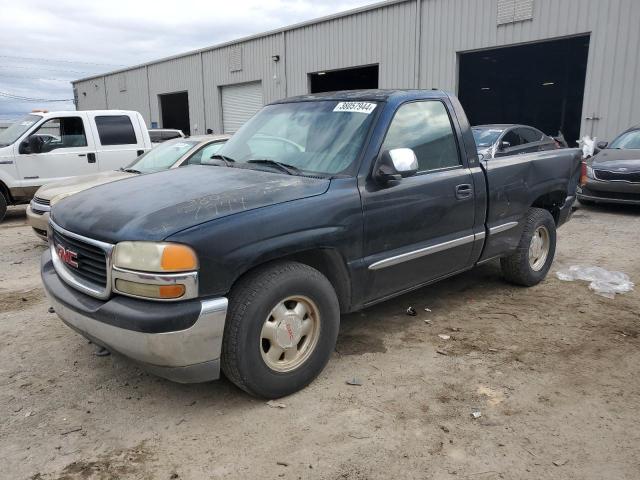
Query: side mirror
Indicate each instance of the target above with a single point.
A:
(602, 145)
(35, 143)
(396, 164)
(504, 145)
(24, 148)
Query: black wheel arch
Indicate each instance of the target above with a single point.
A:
(328, 261)
(551, 202)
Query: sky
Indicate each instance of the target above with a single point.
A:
(45, 44)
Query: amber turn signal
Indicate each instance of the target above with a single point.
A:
(150, 290)
(177, 258)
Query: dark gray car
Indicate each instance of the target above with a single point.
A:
(613, 175)
(500, 140)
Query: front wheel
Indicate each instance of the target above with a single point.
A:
(281, 328)
(531, 261)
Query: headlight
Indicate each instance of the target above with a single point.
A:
(154, 257)
(590, 172)
(155, 270)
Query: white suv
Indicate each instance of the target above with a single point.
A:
(44, 147)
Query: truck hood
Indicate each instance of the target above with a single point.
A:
(612, 159)
(56, 191)
(153, 207)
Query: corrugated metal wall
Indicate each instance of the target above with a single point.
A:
(91, 94)
(388, 36)
(453, 26)
(179, 75)
(135, 94)
(256, 65)
(385, 36)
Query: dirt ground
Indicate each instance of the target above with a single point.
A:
(553, 370)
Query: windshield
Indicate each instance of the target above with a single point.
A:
(317, 137)
(162, 157)
(15, 130)
(485, 137)
(628, 140)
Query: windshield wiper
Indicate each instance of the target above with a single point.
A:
(130, 170)
(227, 160)
(288, 169)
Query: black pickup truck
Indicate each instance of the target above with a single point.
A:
(320, 205)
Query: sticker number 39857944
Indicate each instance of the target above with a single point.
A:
(355, 107)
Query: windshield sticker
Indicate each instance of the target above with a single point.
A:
(181, 145)
(355, 107)
(26, 123)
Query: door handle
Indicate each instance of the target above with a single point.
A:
(82, 154)
(91, 157)
(464, 191)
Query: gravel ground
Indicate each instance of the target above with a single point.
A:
(553, 370)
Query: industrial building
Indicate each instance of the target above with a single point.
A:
(568, 65)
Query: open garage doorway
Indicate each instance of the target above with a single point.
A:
(174, 108)
(345, 79)
(539, 84)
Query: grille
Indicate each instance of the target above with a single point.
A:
(41, 201)
(91, 260)
(632, 177)
(615, 195)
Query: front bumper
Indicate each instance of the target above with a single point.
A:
(180, 341)
(610, 192)
(38, 221)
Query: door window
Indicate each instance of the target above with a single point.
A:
(64, 132)
(424, 127)
(512, 138)
(116, 130)
(204, 153)
(529, 135)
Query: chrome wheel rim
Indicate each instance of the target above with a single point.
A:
(290, 333)
(539, 248)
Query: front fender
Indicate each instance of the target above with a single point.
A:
(229, 247)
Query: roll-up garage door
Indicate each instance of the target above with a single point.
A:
(240, 103)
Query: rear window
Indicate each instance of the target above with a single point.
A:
(116, 130)
(156, 137)
(170, 135)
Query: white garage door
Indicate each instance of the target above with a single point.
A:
(240, 103)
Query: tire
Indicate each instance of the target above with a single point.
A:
(520, 267)
(250, 359)
(3, 206)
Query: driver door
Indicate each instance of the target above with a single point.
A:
(66, 151)
(420, 228)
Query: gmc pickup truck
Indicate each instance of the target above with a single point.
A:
(319, 205)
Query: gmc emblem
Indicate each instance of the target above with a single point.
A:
(67, 256)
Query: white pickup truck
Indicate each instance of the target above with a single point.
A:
(44, 147)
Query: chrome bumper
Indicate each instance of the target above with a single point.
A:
(186, 356)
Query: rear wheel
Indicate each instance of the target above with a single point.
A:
(281, 328)
(531, 261)
(3, 206)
